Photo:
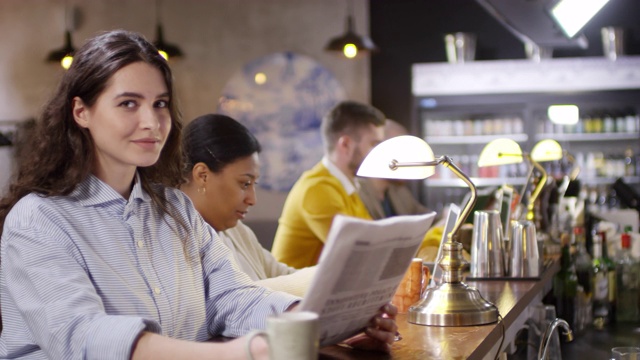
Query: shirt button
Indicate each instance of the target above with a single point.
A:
(156, 290)
(140, 244)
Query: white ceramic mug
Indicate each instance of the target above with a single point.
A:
(291, 335)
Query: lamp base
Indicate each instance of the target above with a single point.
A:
(452, 304)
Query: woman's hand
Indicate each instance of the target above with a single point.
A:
(380, 333)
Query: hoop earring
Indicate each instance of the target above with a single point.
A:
(202, 190)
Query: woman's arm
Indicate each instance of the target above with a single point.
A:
(150, 346)
(248, 248)
(235, 304)
(295, 284)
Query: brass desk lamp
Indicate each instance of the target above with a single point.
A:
(551, 150)
(506, 151)
(451, 303)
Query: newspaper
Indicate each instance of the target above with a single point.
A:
(360, 269)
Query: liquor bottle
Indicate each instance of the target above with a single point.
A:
(611, 271)
(628, 284)
(584, 271)
(565, 284)
(600, 288)
(582, 260)
(629, 163)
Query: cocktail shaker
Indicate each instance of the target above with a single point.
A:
(524, 255)
(487, 254)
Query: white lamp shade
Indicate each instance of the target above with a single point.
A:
(546, 150)
(563, 114)
(573, 15)
(402, 149)
(500, 152)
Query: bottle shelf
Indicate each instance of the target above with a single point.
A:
(608, 180)
(455, 106)
(478, 182)
(519, 181)
(473, 139)
(588, 137)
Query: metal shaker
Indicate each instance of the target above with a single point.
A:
(487, 254)
(524, 254)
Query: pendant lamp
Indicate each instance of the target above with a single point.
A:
(350, 43)
(165, 49)
(64, 55)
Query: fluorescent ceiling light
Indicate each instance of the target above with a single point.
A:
(572, 15)
(563, 114)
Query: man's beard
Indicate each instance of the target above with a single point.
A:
(356, 160)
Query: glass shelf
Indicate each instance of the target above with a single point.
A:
(482, 182)
(589, 137)
(478, 182)
(474, 139)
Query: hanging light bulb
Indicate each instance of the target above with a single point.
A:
(64, 55)
(165, 49)
(66, 61)
(350, 51)
(350, 43)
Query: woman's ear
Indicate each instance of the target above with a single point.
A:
(199, 173)
(80, 112)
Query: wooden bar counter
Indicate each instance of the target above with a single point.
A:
(512, 297)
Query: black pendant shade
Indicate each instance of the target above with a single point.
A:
(66, 50)
(169, 49)
(361, 42)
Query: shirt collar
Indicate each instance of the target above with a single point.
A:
(93, 191)
(349, 186)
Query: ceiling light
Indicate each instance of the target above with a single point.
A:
(64, 55)
(350, 43)
(165, 49)
(573, 15)
(563, 114)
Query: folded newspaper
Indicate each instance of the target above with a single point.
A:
(359, 270)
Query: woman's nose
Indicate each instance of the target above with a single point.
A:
(150, 119)
(251, 196)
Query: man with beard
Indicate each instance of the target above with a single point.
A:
(349, 131)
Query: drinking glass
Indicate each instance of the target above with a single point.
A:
(625, 353)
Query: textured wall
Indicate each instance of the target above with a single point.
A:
(217, 36)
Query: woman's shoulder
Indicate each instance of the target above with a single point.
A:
(173, 194)
(179, 201)
(33, 208)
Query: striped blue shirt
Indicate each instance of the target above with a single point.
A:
(82, 275)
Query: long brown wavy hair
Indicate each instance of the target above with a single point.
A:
(60, 153)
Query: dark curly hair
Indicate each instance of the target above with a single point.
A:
(60, 153)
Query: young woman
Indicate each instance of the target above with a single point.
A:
(101, 257)
(222, 170)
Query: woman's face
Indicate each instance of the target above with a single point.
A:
(130, 120)
(230, 193)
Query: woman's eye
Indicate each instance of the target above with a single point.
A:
(128, 104)
(162, 104)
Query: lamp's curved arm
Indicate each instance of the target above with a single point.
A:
(541, 183)
(446, 161)
(395, 164)
(575, 168)
(466, 210)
